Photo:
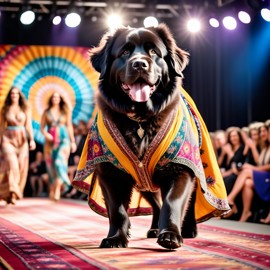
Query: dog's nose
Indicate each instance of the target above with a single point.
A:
(140, 65)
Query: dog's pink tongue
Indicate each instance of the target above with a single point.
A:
(140, 92)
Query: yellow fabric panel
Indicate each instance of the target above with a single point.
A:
(165, 142)
(111, 144)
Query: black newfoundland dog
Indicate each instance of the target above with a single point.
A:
(139, 95)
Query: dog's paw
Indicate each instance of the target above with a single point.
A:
(113, 242)
(152, 233)
(170, 240)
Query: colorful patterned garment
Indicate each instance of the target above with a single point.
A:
(15, 159)
(56, 154)
(183, 140)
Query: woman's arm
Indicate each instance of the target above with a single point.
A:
(29, 129)
(71, 132)
(43, 123)
(249, 144)
(226, 151)
(261, 168)
(2, 125)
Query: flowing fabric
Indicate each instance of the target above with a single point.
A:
(184, 139)
(14, 163)
(56, 153)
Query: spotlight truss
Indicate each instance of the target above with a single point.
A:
(94, 8)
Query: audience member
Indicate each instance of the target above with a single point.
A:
(220, 140)
(37, 175)
(233, 153)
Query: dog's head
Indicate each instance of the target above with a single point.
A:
(139, 68)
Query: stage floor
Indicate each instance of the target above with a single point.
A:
(37, 233)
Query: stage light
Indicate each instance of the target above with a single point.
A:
(27, 17)
(150, 22)
(56, 20)
(244, 17)
(214, 22)
(229, 23)
(114, 21)
(194, 25)
(73, 19)
(265, 13)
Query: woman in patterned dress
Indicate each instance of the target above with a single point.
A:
(56, 126)
(15, 132)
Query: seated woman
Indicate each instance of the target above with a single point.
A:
(253, 178)
(233, 153)
(253, 143)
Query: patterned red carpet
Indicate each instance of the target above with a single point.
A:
(40, 234)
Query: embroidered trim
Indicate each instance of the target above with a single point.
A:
(141, 167)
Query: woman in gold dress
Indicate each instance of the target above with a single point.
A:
(15, 134)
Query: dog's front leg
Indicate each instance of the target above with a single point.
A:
(176, 190)
(116, 188)
(154, 200)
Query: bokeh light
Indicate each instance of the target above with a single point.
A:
(229, 22)
(214, 22)
(244, 17)
(150, 22)
(265, 12)
(73, 19)
(27, 17)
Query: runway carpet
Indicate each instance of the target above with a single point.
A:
(40, 234)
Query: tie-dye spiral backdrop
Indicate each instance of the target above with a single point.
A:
(40, 70)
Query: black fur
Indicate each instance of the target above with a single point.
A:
(143, 56)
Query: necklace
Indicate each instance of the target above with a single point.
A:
(140, 131)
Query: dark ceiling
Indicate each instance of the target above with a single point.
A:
(94, 13)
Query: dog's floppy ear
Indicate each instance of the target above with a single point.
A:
(180, 61)
(99, 55)
(178, 58)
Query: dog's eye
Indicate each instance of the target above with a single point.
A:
(152, 52)
(125, 52)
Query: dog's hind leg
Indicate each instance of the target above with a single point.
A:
(116, 188)
(176, 183)
(154, 200)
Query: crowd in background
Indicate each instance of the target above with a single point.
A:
(243, 156)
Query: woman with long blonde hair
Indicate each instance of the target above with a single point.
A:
(15, 133)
